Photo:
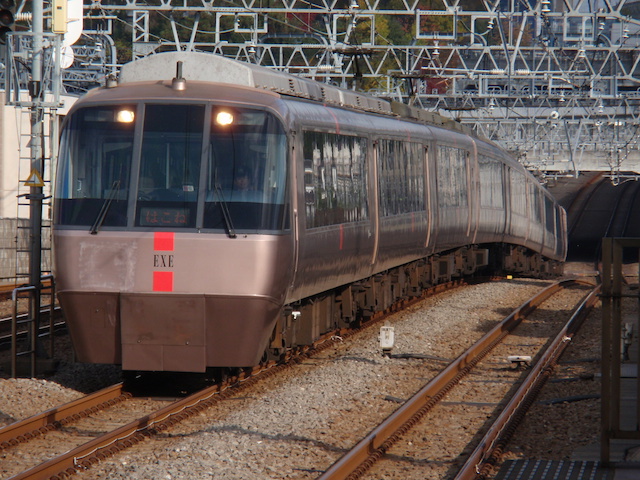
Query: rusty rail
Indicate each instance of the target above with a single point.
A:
(7, 288)
(490, 448)
(31, 427)
(357, 461)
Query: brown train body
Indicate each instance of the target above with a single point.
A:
(356, 206)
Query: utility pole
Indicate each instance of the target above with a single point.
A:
(36, 195)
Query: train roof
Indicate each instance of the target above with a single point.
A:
(162, 90)
(208, 67)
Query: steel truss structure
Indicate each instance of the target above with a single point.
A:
(555, 81)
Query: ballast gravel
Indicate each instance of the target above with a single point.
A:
(294, 425)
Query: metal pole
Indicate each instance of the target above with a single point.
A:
(36, 193)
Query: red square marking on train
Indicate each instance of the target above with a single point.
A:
(163, 281)
(163, 241)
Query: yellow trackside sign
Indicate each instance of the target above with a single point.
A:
(34, 180)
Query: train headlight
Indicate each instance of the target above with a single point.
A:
(224, 118)
(125, 116)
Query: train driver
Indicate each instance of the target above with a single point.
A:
(242, 181)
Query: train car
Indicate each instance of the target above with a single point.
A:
(211, 213)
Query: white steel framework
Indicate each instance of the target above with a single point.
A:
(555, 81)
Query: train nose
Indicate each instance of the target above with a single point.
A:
(170, 332)
(163, 332)
(187, 333)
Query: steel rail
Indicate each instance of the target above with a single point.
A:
(5, 324)
(31, 427)
(491, 447)
(8, 288)
(358, 460)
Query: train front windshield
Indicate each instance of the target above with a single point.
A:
(172, 166)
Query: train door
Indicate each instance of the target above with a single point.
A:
(334, 228)
(430, 192)
(373, 205)
(536, 214)
(294, 152)
(518, 206)
(491, 198)
(400, 202)
(528, 208)
(506, 189)
(453, 177)
(474, 192)
(432, 181)
(549, 222)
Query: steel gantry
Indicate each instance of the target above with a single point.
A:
(555, 81)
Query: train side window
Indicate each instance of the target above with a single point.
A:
(452, 176)
(335, 178)
(535, 204)
(309, 190)
(491, 191)
(400, 177)
(246, 171)
(517, 183)
(95, 159)
(550, 212)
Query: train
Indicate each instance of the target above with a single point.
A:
(213, 214)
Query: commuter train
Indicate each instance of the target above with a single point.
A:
(212, 213)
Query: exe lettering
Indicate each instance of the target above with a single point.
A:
(160, 261)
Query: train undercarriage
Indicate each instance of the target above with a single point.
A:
(348, 306)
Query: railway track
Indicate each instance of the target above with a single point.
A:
(490, 448)
(381, 442)
(55, 418)
(150, 424)
(7, 310)
(45, 327)
(64, 419)
(6, 289)
(82, 456)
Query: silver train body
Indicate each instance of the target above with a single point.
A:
(167, 260)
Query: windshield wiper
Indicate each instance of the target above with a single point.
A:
(225, 212)
(102, 214)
